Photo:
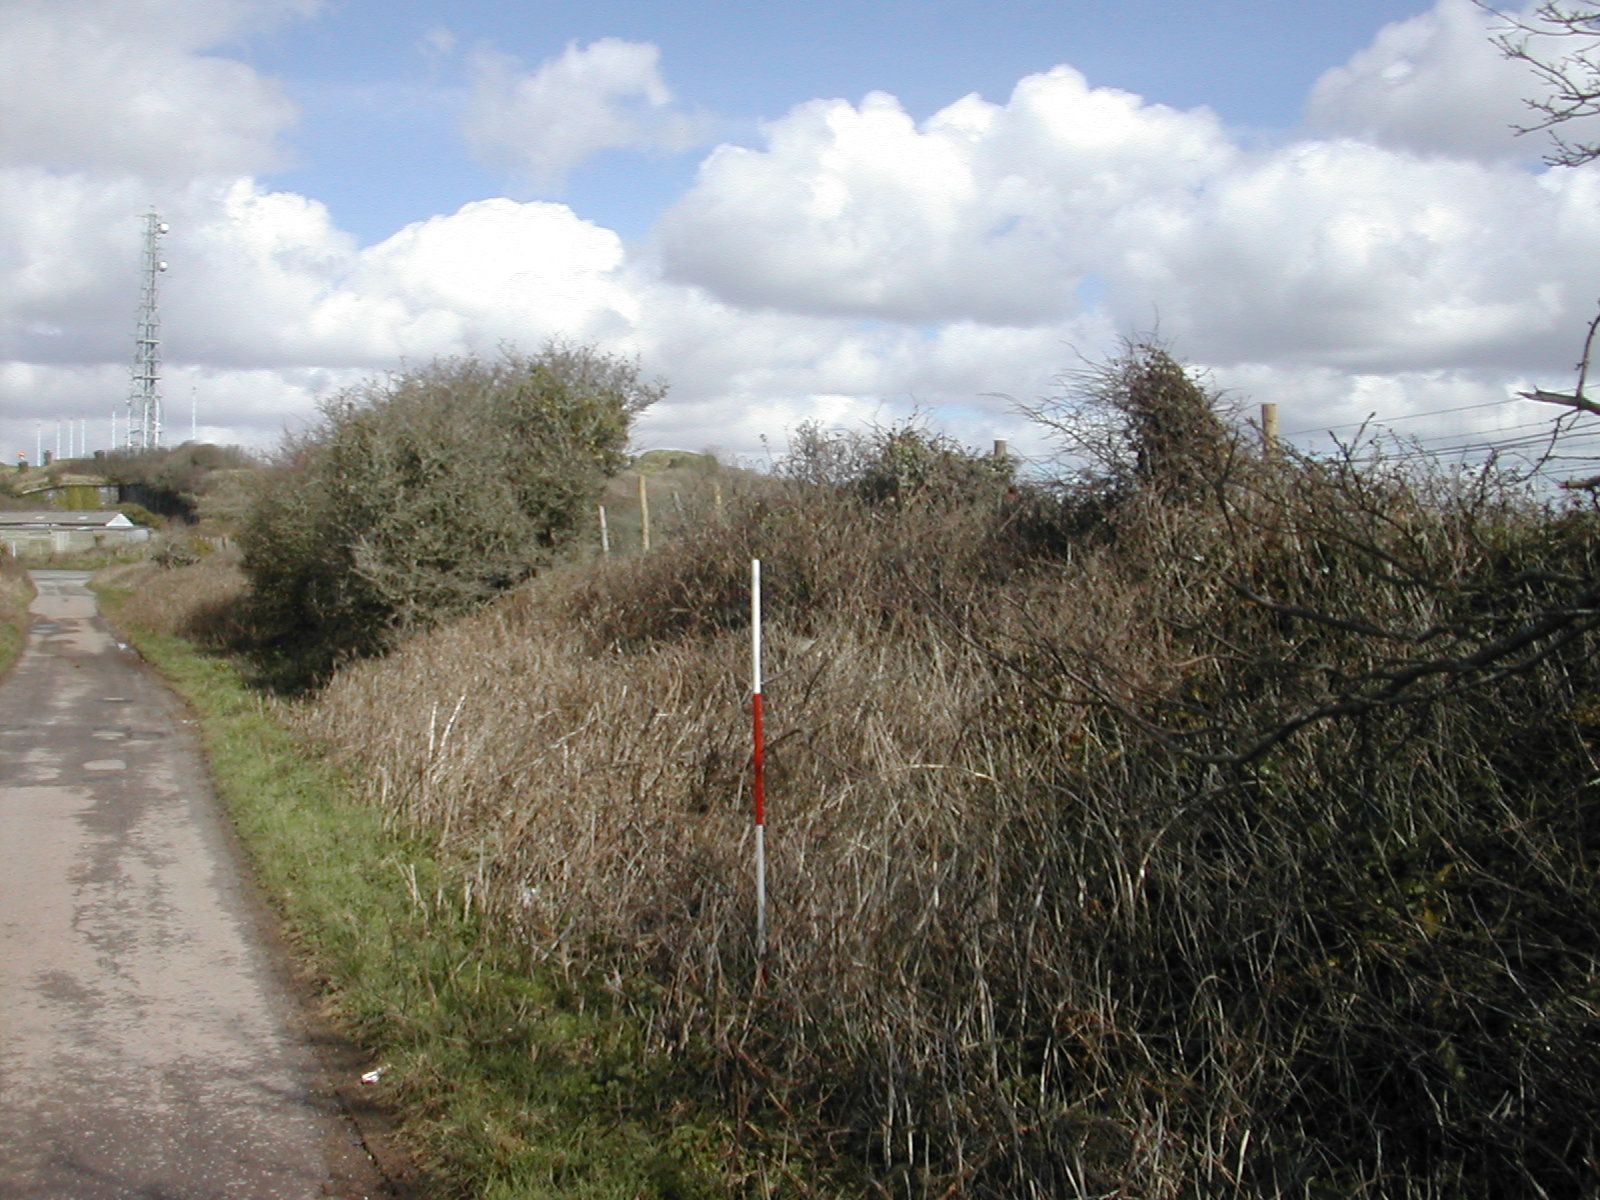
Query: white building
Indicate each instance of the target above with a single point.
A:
(37, 534)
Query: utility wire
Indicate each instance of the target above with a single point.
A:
(1375, 420)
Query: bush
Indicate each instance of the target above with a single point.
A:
(897, 466)
(422, 495)
(140, 515)
(1140, 422)
(16, 592)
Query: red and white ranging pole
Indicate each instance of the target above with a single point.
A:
(759, 780)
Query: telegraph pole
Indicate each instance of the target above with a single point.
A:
(144, 396)
(1269, 430)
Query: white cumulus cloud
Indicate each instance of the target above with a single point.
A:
(1347, 253)
(124, 86)
(983, 212)
(607, 95)
(1434, 84)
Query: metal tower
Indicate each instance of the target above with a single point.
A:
(144, 397)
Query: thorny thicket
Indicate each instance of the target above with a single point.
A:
(1225, 825)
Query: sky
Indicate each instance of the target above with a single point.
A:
(849, 213)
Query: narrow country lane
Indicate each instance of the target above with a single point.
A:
(150, 1046)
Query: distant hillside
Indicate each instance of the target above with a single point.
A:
(655, 462)
(188, 483)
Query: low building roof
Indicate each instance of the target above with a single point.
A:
(62, 519)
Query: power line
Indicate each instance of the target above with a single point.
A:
(1439, 446)
(1547, 426)
(1386, 421)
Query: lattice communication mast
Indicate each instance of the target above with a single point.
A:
(144, 398)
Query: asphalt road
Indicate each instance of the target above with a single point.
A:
(151, 1045)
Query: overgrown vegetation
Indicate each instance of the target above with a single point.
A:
(171, 482)
(16, 593)
(421, 496)
(1215, 822)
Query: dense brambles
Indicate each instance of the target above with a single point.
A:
(1216, 824)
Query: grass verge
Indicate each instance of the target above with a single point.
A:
(16, 593)
(509, 1083)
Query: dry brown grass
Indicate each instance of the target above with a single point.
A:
(1021, 944)
(199, 601)
(1053, 913)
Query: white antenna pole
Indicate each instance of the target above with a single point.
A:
(759, 780)
(38, 443)
(144, 398)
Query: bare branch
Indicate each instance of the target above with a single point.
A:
(1565, 399)
(1568, 73)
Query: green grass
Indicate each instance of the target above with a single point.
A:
(507, 1083)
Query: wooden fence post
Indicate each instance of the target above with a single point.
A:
(644, 516)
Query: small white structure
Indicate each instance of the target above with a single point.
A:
(61, 532)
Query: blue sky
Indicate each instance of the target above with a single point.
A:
(378, 140)
(845, 213)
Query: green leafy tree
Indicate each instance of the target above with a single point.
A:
(422, 495)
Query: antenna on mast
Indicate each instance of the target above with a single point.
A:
(144, 396)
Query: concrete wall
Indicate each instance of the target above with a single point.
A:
(78, 496)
